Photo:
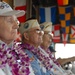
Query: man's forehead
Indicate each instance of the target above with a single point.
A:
(36, 28)
(10, 17)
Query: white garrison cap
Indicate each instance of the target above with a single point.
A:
(28, 25)
(6, 10)
(46, 26)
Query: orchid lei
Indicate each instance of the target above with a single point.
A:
(53, 58)
(9, 56)
(39, 54)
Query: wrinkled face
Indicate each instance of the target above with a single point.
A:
(8, 28)
(35, 36)
(47, 39)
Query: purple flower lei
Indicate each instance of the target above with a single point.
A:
(45, 60)
(9, 56)
(53, 58)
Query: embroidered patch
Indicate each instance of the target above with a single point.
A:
(42, 27)
(26, 25)
(4, 5)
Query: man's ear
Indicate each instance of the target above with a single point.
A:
(26, 36)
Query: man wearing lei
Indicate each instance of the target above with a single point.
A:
(31, 40)
(10, 53)
(47, 40)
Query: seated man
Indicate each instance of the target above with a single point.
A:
(31, 39)
(47, 40)
(9, 51)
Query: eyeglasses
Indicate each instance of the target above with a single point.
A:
(37, 31)
(49, 33)
(40, 31)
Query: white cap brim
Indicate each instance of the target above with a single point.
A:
(17, 13)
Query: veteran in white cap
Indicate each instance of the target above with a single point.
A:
(44, 47)
(32, 26)
(48, 35)
(47, 40)
(31, 40)
(8, 33)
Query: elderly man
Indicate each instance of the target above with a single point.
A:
(10, 53)
(47, 40)
(31, 39)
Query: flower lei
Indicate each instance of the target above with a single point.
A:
(9, 56)
(45, 60)
(53, 58)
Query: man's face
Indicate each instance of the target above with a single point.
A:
(47, 39)
(35, 36)
(8, 28)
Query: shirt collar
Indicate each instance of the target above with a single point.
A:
(10, 45)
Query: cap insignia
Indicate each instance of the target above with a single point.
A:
(42, 27)
(26, 25)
